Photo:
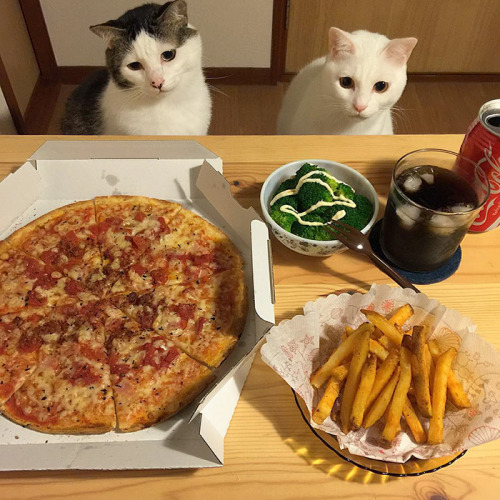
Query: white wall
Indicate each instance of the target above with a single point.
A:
(235, 33)
(6, 124)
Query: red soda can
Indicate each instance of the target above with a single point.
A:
(482, 145)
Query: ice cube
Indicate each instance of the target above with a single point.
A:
(460, 207)
(412, 183)
(428, 177)
(445, 225)
(408, 215)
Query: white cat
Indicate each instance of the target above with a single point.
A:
(154, 82)
(349, 91)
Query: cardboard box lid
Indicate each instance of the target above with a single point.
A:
(34, 189)
(85, 150)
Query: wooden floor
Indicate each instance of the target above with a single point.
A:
(426, 107)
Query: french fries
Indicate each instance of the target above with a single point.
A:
(332, 390)
(359, 356)
(383, 375)
(364, 389)
(420, 371)
(380, 404)
(380, 371)
(399, 397)
(388, 329)
(402, 315)
(443, 368)
(339, 355)
(455, 391)
(414, 423)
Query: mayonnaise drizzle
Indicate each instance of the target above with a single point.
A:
(337, 200)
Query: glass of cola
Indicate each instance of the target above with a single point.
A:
(434, 197)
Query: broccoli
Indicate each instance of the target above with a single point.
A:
(286, 200)
(307, 168)
(282, 218)
(345, 190)
(311, 193)
(318, 233)
(360, 216)
(327, 213)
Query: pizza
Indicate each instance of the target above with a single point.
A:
(114, 314)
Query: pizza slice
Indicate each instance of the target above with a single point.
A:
(29, 282)
(204, 320)
(193, 250)
(127, 226)
(70, 390)
(152, 378)
(66, 239)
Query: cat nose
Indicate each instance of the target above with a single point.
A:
(158, 83)
(360, 107)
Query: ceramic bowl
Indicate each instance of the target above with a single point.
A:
(303, 245)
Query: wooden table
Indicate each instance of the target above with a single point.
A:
(269, 451)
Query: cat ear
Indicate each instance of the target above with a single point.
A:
(173, 13)
(399, 49)
(108, 32)
(339, 43)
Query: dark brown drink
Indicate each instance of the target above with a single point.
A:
(428, 213)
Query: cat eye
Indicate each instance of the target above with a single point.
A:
(346, 82)
(168, 55)
(381, 87)
(134, 66)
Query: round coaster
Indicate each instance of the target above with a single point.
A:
(424, 278)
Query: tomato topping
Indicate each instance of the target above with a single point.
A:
(29, 343)
(45, 281)
(200, 260)
(83, 375)
(199, 325)
(73, 287)
(163, 226)
(94, 229)
(140, 216)
(33, 268)
(149, 354)
(137, 268)
(185, 312)
(72, 238)
(146, 319)
(172, 353)
(87, 352)
(48, 256)
(140, 242)
(117, 368)
(35, 300)
(34, 318)
(156, 356)
(114, 221)
(160, 275)
(102, 227)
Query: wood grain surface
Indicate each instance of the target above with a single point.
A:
(269, 451)
(453, 36)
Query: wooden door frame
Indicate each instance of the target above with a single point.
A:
(279, 39)
(11, 100)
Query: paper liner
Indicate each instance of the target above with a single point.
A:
(297, 347)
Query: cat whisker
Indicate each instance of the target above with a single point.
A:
(215, 89)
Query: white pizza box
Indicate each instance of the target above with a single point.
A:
(61, 172)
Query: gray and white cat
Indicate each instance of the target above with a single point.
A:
(349, 91)
(154, 82)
